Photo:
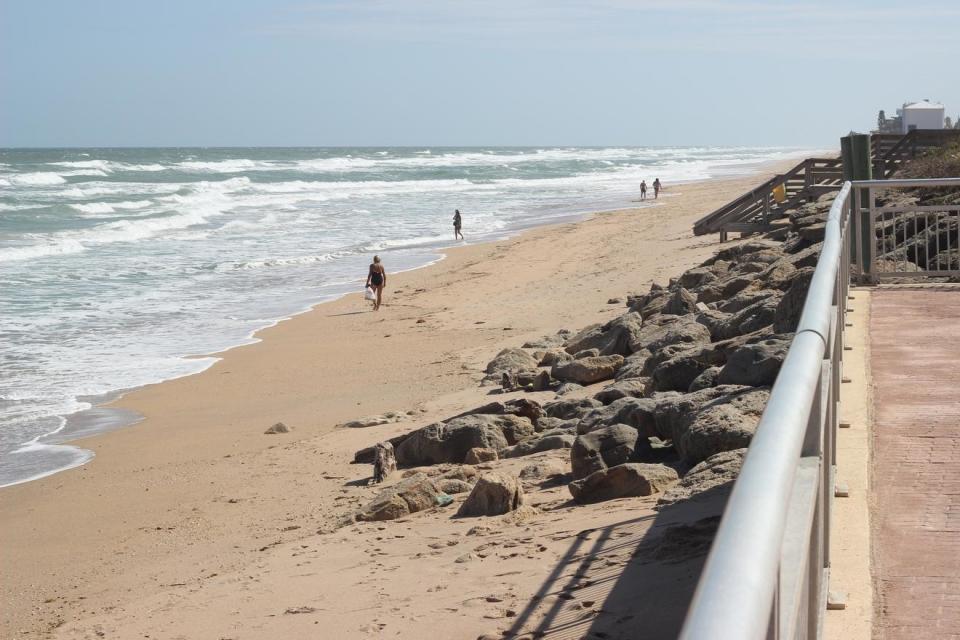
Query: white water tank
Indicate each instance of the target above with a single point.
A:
(922, 115)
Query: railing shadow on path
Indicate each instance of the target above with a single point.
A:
(629, 580)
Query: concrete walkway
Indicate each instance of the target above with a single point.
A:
(915, 362)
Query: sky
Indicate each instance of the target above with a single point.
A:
(466, 72)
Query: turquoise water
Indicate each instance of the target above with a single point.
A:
(118, 263)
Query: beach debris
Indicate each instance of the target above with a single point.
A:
(277, 428)
(614, 300)
(479, 455)
(631, 479)
(493, 495)
(384, 462)
(296, 610)
(413, 494)
(588, 370)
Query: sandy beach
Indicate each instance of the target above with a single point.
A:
(196, 524)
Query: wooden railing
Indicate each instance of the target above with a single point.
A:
(890, 151)
(754, 210)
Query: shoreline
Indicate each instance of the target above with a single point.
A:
(102, 406)
(112, 539)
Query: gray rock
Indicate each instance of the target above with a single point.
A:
(627, 480)
(756, 364)
(568, 387)
(713, 476)
(602, 448)
(450, 442)
(479, 455)
(416, 493)
(277, 428)
(697, 277)
(543, 469)
(511, 360)
(680, 303)
(586, 353)
(633, 365)
(790, 308)
(665, 330)
(671, 409)
(522, 407)
(629, 388)
(723, 424)
(547, 424)
(452, 486)
(493, 494)
(612, 338)
(678, 373)
(571, 409)
(546, 342)
(554, 356)
(547, 442)
(708, 378)
(813, 232)
(639, 413)
(588, 370)
(652, 304)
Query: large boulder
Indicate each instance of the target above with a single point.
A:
(523, 407)
(450, 441)
(638, 413)
(627, 388)
(756, 364)
(612, 338)
(672, 409)
(721, 425)
(790, 308)
(678, 373)
(512, 361)
(680, 303)
(604, 447)
(666, 330)
(708, 378)
(547, 342)
(634, 365)
(416, 493)
(546, 442)
(627, 480)
(713, 476)
(493, 494)
(570, 409)
(588, 370)
(697, 277)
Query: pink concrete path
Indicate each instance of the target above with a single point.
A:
(915, 362)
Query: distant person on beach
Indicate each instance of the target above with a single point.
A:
(377, 280)
(457, 222)
(656, 188)
(643, 189)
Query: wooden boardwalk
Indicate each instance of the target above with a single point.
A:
(915, 362)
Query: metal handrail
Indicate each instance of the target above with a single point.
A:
(736, 594)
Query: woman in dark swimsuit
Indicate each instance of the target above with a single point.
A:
(377, 280)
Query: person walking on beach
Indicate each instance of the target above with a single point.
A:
(656, 188)
(377, 280)
(456, 224)
(643, 189)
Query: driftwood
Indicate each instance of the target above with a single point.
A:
(384, 461)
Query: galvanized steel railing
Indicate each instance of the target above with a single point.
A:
(905, 241)
(768, 568)
(767, 574)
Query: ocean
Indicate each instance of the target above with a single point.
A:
(120, 266)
